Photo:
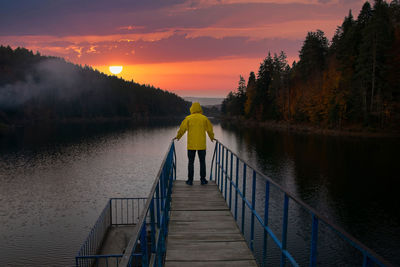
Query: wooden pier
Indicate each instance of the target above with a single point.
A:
(202, 230)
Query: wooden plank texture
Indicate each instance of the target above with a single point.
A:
(251, 263)
(202, 231)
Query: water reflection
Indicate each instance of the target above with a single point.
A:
(349, 180)
(56, 179)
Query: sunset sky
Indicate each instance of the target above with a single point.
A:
(189, 47)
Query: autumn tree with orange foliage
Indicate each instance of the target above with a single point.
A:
(352, 80)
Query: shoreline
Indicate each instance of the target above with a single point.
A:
(301, 128)
(10, 129)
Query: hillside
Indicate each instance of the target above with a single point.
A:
(205, 101)
(35, 88)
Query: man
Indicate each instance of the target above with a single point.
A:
(196, 125)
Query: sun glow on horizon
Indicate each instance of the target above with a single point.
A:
(115, 69)
(206, 78)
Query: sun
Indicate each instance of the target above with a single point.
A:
(115, 69)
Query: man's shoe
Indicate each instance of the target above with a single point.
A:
(189, 182)
(204, 181)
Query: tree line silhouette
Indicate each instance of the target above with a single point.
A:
(41, 88)
(354, 79)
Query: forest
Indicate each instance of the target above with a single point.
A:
(36, 88)
(352, 80)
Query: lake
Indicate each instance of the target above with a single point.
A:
(55, 180)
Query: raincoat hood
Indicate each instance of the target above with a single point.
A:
(196, 108)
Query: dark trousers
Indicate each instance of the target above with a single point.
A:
(202, 158)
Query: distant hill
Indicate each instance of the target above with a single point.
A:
(39, 88)
(205, 101)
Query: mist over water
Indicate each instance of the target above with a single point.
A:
(56, 180)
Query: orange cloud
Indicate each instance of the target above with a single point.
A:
(32, 39)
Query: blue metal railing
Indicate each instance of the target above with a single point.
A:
(231, 172)
(117, 212)
(147, 245)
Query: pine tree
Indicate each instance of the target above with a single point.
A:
(241, 86)
(250, 94)
(264, 78)
(355, 79)
(241, 95)
(377, 37)
(363, 60)
(313, 53)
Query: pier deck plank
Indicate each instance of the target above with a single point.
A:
(202, 231)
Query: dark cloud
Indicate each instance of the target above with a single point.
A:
(100, 32)
(180, 48)
(347, 2)
(123, 17)
(72, 16)
(102, 17)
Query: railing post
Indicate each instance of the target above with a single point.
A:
(284, 228)
(159, 253)
(216, 158)
(122, 212)
(219, 162)
(222, 172)
(109, 203)
(226, 173)
(158, 204)
(116, 211)
(162, 238)
(314, 238)
(169, 198)
(237, 186)
(230, 183)
(153, 227)
(90, 243)
(143, 245)
(253, 210)
(212, 161)
(244, 195)
(162, 229)
(133, 210)
(162, 187)
(266, 210)
(174, 160)
(127, 211)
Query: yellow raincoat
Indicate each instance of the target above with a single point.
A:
(197, 125)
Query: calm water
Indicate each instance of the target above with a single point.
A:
(54, 181)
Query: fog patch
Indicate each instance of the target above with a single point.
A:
(49, 79)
